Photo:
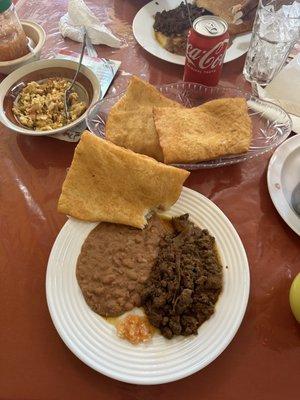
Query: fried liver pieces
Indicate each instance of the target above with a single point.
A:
(185, 283)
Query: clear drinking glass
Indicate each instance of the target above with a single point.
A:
(13, 41)
(276, 29)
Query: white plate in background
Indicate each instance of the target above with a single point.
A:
(283, 176)
(142, 27)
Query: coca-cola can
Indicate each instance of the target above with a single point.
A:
(206, 47)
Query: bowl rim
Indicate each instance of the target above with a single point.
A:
(38, 47)
(35, 66)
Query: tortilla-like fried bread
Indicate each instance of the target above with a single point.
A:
(134, 130)
(222, 8)
(130, 122)
(217, 128)
(108, 183)
(140, 93)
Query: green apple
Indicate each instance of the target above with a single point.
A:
(295, 297)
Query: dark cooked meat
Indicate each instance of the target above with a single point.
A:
(176, 21)
(185, 282)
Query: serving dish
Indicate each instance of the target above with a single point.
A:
(87, 86)
(283, 176)
(271, 124)
(37, 35)
(92, 338)
(142, 27)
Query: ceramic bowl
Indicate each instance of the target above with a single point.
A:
(37, 35)
(87, 86)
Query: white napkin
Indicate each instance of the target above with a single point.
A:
(79, 15)
(284, 90)
(285, 87)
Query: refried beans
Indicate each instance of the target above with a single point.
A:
(114, 263)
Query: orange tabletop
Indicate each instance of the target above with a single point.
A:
(262, 361)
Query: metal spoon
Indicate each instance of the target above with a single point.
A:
(295, 199)
(30, 44)
(69, 90)
(189, 13)
(89, 46)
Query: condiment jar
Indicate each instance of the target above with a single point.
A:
(13, 41)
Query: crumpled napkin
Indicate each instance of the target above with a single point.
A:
(79, 15)
(284, 90)
(285, 87)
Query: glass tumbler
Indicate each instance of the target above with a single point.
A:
(275, 31)
(13, 41)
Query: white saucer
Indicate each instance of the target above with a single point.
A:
(283, 176)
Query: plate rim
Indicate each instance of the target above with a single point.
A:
(274, 176)
(142, 380)
(180, 60)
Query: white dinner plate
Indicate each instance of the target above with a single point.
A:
(283, 176)
(92, 339)
(142, 27)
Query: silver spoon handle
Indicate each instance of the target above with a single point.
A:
(89, 47)
(80, 61)
(189, 14)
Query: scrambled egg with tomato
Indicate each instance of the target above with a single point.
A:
(40, 106)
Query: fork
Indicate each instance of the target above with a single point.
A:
(69, 90)
(189, 13)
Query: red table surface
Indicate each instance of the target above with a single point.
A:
(262, 361)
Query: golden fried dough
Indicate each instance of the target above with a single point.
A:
(130, 122)
(134, 130)
(142, 94)
(109, 183)
(217, 128)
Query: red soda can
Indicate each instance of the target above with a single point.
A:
(206, 47)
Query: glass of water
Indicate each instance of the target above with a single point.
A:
(275, 31)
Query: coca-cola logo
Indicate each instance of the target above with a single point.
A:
(203, 59)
